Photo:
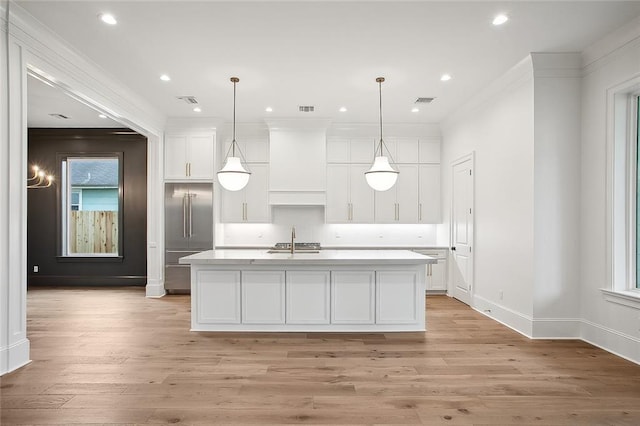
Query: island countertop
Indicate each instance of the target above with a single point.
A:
(322, 257)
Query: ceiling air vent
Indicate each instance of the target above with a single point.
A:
(60, 116)
(306, 108)
(424, 100)
(191, 100)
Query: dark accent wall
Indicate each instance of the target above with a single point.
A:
(44, 147)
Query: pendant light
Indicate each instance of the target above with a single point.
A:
(381, 176)
(233, 176)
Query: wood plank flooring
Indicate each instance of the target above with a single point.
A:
(111, 356)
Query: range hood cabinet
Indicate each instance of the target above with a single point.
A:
(297, 172)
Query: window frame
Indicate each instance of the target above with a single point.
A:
(622, 198)
(62, 256)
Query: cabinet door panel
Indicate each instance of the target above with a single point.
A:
(407, 194)
(438, 279)
(361, 195)
(200, 157)
(429, 151)
(232, 205)
(362, 150)
(256, 150)
(406, 150)
(396, 297)
(337, 150)
(385, 206)
(218, 297)
(307, 297)
(257, 195)
(429, 188)
(263, 297)
(337, 208)
(175, 157)
(352, 297)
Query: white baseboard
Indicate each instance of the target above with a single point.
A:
(556, 328)
(508, 317)
(620, 344)
(14, 356)
(155, 289)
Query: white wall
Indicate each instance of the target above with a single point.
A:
(497, 125)
(608, 65)
(556, 194)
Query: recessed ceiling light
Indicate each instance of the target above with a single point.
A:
(197, 109)
(165, 77)
(268, 109)
(108, 18)
(500, 19)
(415, 110)
(343, 109)
(102, 116)
(445, 77)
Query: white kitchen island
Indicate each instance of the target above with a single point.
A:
(325, 291)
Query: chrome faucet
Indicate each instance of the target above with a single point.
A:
(293, 237)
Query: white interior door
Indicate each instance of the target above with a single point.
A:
(462, 229)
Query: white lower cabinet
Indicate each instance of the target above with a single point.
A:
(307, 297)
(437, 276)
(342, 299)
(436, 273)
(353, 297)
(396, 301)
(217, 296)
(263, 297)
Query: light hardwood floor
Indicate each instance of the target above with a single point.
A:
(111, 356)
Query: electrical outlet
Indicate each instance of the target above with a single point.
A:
(36, 268)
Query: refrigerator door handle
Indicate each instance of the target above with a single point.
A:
(184, 216)
(191, 215)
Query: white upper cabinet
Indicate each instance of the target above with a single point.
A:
(250, 204)
(403, 150)
(349, 198)
(354, 150)
(188, 156)
(428, 151)
(400, 203)
(429, 193)
(254, 150)
(414, 199)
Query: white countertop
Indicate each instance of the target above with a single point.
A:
(323, 257)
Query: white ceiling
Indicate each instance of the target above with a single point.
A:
(323, 53)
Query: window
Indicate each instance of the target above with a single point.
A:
(90, 206)
(624, 196)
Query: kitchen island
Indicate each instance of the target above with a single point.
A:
(321, 291)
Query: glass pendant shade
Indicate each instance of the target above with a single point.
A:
(233, 177)
(381, 176)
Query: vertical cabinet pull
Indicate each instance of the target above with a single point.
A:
(244, 211)
(420, 212)
(186, 169)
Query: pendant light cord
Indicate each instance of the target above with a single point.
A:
(233, 142)
(380, 80)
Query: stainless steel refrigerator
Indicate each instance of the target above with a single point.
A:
(188, 229)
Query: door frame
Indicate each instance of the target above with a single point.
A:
(468, 157)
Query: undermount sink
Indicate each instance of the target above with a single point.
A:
(296, 252)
